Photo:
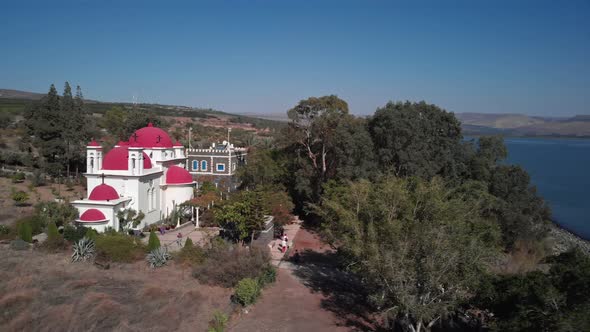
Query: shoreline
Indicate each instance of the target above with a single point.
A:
(565, 240)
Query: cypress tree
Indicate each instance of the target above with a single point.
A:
(188, 243)
(153, 242)
(52, 232)
(25, 232)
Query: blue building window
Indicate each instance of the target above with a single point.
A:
(220, 167)
(203, 165)
(195, 165)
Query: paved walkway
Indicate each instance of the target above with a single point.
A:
(198, 236)
(276, 255)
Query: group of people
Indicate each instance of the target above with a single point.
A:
(284, 243)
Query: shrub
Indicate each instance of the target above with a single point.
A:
(25, 232)
(38, 179)
(20, 197)
(18, 177)
(91, 233)
(267, 276)
(191, 254)
(75, 233)
(83, 250)
(158, 257)
(54, 240)
(37, 224)
(226, 265)
(247, 291)
(218, 323)
(4, 230)
(153, 242)
(119, 247)
(188, 243)
(52, 232)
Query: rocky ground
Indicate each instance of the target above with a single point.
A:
(564, 240)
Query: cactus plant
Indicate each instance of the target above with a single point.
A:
(83, 250)
(158, 257)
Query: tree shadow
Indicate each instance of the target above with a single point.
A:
(344, 293)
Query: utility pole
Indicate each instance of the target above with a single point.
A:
(190, 131)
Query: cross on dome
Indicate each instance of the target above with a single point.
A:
(102, 176)
(135, 136)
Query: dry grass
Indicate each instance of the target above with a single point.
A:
(525, 257)
(45, 292)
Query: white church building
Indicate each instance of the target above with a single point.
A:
(145, 174)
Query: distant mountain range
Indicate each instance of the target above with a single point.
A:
(524, 125)
(17, 94)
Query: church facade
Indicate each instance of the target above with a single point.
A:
(147, 173)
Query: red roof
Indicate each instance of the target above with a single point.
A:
(178, 175)
(93, 143)
(150, 137)
(116, 159)
(103, 192)
(178, 144)
(92, 215)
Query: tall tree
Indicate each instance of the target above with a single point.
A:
(418, 249)
(45, 123)
(326, 142)
(416, 139)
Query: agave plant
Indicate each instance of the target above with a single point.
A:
(83, 250)
(158, 257)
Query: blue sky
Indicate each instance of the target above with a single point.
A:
(265, 56)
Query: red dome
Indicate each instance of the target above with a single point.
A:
(150, 137)
(103, 192)
(116, 159)
(178, 175)
(93, 143)
(92, 215)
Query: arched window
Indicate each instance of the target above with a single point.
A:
(195, 165)
(203, 165)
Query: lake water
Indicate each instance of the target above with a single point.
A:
(560, 168)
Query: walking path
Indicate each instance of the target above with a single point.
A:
(289, 305)
(275, 252)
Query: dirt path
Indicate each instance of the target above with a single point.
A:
(302, 299)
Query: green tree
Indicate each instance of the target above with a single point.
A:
(129, 218)
(519, 210)
(241, 218)
(45, 123)
(114, 121)
(418, 249)
(153, 241)
(325, 142)
(416, 139)
(52, 232)
(60, 213)
(25, 232)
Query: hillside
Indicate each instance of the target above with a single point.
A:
(15, 102)
(524, 125)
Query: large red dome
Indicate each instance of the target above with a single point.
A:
(92, 215)
(178, 175)
(116, 159)
(150, 137)
(103, 192)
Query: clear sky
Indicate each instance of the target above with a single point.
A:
(264, 56)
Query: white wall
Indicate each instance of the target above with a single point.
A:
(175, 194)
